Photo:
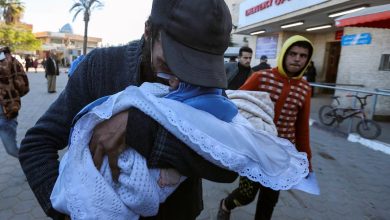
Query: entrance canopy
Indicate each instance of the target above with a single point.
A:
(375, 17)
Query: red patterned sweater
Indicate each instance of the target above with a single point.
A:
(291, 97)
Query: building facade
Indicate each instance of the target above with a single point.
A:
(66, 45)
(338, 56)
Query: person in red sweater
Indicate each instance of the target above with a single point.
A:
(290, 94)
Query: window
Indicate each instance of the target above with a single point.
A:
(385, 62)
(56, 41)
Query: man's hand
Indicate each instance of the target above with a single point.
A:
(108, 138)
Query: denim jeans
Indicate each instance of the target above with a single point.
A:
(8, 134)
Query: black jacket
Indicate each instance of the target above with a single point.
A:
(51, 67)
(261, 66)
(102, 72)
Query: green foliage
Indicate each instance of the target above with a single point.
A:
(18, 37)
(13, 10)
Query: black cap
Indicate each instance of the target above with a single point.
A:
(195, 34)
(263, 57)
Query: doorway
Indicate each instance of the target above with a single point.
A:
(332, 63)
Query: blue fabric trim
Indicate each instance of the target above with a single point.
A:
(206, 99)
(88, 107)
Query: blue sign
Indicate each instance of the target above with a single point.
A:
(356, 39)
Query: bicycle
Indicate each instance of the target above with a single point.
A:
(366, 128)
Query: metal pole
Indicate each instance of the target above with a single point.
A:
(351, 118)
(373, 106)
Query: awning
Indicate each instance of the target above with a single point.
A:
(232, 52)
(376, 17)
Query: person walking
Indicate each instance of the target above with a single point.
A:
(238, 72)
(28, 63)
(105, 71)
(13, 85)
(51, 72)
(310, 75)
(291, 97)
(263, 65)
(35, 64)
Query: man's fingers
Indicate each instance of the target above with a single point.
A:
(93, 142)
(98, 156)
(113, 157)
(113, 162)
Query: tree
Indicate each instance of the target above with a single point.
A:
(13, 34)
(18, 37)
(2, 8)
(86, 7)
(12, 11)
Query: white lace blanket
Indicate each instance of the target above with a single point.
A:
(255, 106)
(83, 192)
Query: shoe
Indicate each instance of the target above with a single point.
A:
(222, 214)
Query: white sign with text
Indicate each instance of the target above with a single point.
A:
(254, 11)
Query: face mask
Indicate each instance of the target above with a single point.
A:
(164, 75)
(2, 56)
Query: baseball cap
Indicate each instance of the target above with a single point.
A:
(263, 57)
(195, 34)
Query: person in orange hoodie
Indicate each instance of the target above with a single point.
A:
(290, 94)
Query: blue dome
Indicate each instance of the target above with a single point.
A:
(67, 28)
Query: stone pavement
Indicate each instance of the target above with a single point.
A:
(16, 198)
(354, 179)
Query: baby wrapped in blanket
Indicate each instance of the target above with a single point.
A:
(200, 117)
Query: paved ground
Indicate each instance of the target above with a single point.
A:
(354, 179)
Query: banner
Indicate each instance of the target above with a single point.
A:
(267, 45)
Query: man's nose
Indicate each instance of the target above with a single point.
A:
(297, 58)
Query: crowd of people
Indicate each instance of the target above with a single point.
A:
(128, 113)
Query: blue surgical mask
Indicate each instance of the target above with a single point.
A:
(2, 56)
(164, 75)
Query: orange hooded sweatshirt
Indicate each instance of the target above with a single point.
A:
(291, 97)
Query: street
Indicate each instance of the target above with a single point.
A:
(354, 180)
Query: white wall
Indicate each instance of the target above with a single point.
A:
(359, 64)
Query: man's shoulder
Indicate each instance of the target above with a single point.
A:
(264, 72)
(113, 51)
(304, 82)
(231, 66)
(115, 55)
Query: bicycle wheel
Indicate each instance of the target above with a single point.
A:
(327, 115)
(368, 129)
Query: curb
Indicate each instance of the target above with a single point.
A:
(355, 138)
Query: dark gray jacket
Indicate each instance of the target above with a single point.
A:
(232, 70)
(102, 72)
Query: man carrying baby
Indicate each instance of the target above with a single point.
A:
(183, 37)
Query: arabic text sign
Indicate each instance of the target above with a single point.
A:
(356, 39)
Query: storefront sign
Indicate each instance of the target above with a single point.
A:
(253, 11)
(267, 45)
(356, 39)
